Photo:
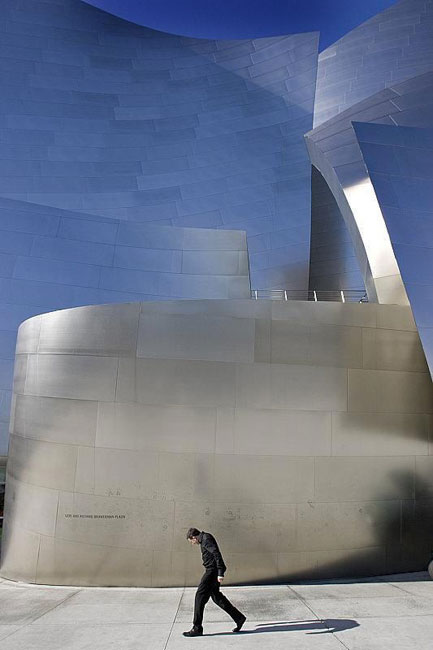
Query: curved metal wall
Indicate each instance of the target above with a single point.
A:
(106, 117)
(360, 79)
(333, 261)
(132, 423)
(400, 163)
(103, 122)
(133, 143)
(335, 151)
(394, 45)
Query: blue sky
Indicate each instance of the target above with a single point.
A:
(231, 19)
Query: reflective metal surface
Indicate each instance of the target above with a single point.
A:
(133, 163)
(400, 163)
(380, 72)
(133, 422)
(135, 166)
(342, 295)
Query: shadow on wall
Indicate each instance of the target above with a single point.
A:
(405, 542)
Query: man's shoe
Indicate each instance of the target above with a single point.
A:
(194, 631)
(239, 623)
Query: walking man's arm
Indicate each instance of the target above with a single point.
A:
(211, 546)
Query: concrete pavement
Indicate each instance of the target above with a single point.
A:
(389, 611)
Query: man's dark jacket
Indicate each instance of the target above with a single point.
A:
(211, 555)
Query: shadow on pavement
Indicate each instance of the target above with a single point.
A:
(315, 626)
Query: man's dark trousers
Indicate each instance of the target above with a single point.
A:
(209, 587)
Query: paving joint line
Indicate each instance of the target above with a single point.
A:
(40, 616)
(14, 632)
(321, 620)
(55, 606)
(174, 619)
(409, 593)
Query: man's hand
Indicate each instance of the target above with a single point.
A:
(220, 579)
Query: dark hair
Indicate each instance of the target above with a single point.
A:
(193, 532)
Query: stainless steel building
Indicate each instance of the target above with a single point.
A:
(148, 183)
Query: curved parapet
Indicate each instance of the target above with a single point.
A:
(133, 422)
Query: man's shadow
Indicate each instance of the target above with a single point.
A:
(325, 626)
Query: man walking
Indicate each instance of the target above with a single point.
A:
(209, 586)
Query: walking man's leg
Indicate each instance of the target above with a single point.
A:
(223, 602)
(202, 596)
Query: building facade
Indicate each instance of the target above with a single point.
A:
(148, 182)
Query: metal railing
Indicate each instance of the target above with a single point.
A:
(346, 295)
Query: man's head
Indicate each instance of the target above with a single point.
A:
(193, 535)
